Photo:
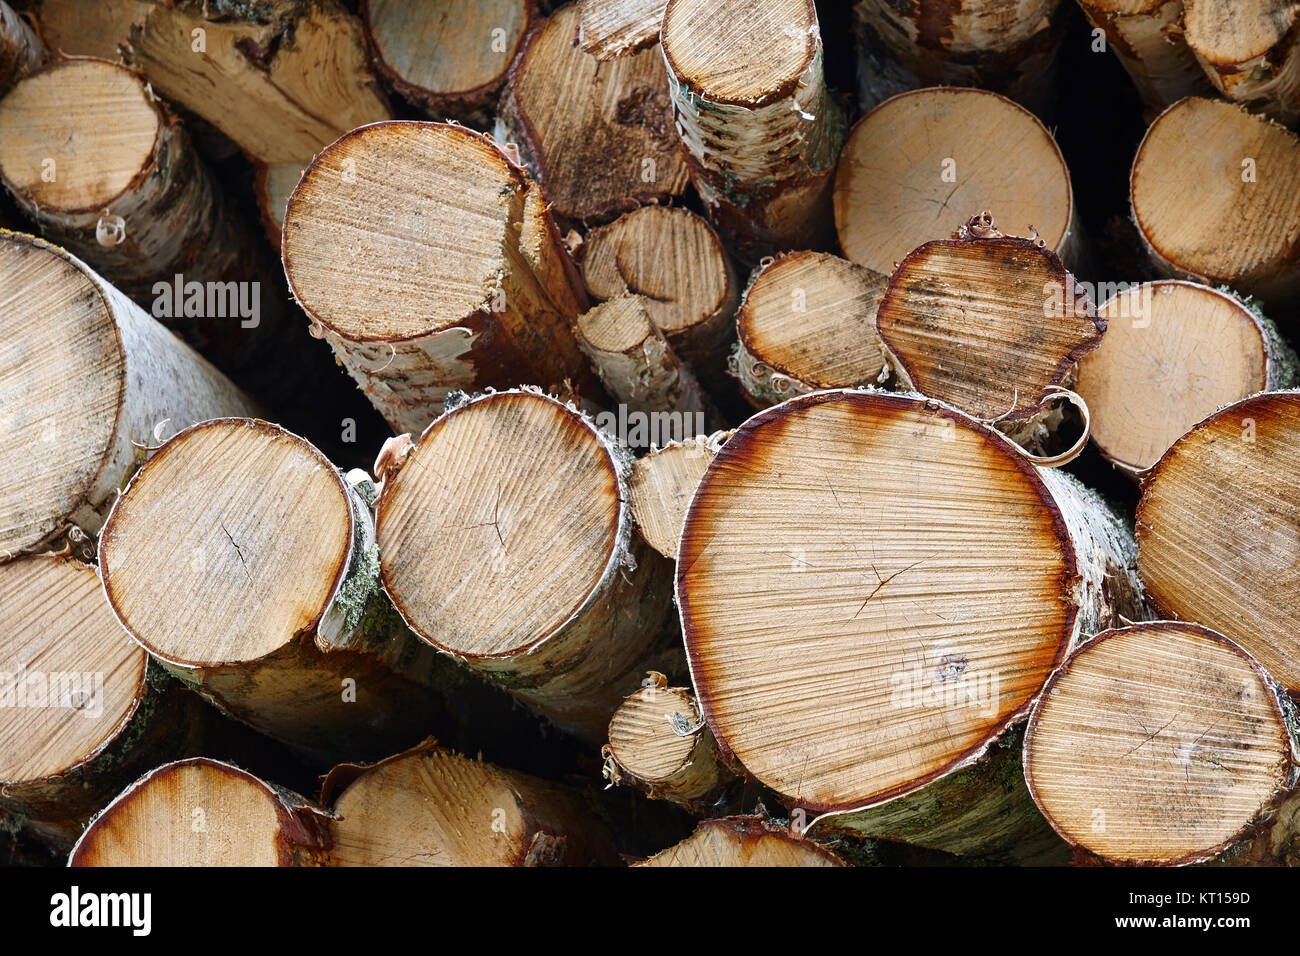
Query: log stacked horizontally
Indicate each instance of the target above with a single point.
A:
(659, 433)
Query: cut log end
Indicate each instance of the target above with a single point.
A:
(61, 413)
(614, 28)
(661, 487)
(652, 734)
(202, 812)
(932, 661)
(1218, 528)
(257, 552)
(1173, 353)
(742, 841)
(987, 325)
(808, 321)
(1245, 228)
(446, 62)
(61, 152)
(919, 164)
(430, 807)
(738, 53)
(72, 677)
(1158, 743)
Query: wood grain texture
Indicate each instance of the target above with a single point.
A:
(1158, 743)
(614, 28)
(1248, 50)
(742, 841)
(662, 484)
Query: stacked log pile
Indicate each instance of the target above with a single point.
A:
(772, 435)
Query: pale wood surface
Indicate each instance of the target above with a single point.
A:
(742, 841)
(662, 484)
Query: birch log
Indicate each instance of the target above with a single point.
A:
(614, 28)
(283, 625)
(1008, 46)
(761, 131)
(204, 812)
(673, 258)
(444, 59)
(505, 539)
(597, 135)
(807, 321)
(1218, 528)
(1147, 38)
(637, 365)
(83, 712)
(918, 165)
(990, 326)
(659, 744)
(663, 482)
(131, 196)
(1174, 352)
(867, 662)
(429, 263)
(431, 807)
(743, 841)
(87, 381)
(1163, 743)
(1248, 50)
(21, 51)
(1244, 228)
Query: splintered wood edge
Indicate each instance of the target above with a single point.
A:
(733, 841)
(1108, 442)
(79, 494)
(675, 469)
(367, 787)
(776, 73)
(846, 220)
(316, 305)
(88, 746)
(896, 402)
(407, 85)
(614, 28)
(1027, 405)
(87, 852)
(1190, 262)
(823, 271)
(108, 536)
(643, 741)
(35, 189)
(1270, 691)
(1286, 673)
(618, 534)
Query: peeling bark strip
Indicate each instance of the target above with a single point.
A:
(506, 540)
(88, 382)
(203, 812)
(614, 28)
(636, 363)
(808, 321)
(82, 712)
(760, 129)
(659, 743)
(431, 807)
(283, 626)
(443, 58)
(429, 263)
(743, 841)
(849, 655)
(674, 259)
(1173, 353)
(129, 196)
(991, 326)
(21, 51)
(1008, 46)
(1217, 529)
(1163, 743)
(1248, 49)
(1245, 229)
(596, 135)
(1147, 37)
(918, 165)
(662, 485)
